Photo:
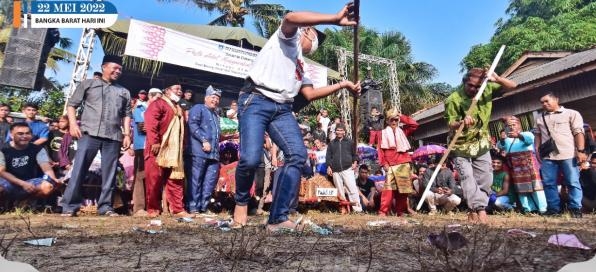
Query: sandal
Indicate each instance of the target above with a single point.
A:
(286, 227)
(236, 225)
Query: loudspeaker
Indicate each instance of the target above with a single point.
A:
(25, 57)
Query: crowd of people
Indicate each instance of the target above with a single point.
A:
(174, 147)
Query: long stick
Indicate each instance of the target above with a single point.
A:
(461, 127)
(356, 111)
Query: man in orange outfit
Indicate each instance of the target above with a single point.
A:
(394, 157)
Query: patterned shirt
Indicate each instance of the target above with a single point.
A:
(474, 141)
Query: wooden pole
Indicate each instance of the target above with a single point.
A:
(461, 127)
(356, 111)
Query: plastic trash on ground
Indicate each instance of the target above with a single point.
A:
(566, 240)
(377, 223)
(41, 242)
(521, 233)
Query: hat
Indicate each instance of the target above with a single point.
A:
(392, 114)
(171, 81)
(154, 90)
(112, 58)
(212, 91)
(320, 36)
(142, 92)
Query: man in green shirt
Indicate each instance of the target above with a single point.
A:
(470, 154)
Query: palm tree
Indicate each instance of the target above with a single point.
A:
(267, 17)
(60, 54)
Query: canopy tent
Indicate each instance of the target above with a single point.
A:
(142, 73)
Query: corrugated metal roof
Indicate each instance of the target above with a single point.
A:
(555, 67)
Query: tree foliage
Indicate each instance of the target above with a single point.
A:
(416, 89)
(267, 17)
(537, 25)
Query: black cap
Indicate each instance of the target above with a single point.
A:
(320, 36)
(170, 81)
(142, 92)
(112, 58)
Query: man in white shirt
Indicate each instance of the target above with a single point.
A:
(265, 104)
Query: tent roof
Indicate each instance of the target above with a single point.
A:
(219, 33)
(114, 40)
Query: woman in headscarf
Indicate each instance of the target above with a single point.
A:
(524, 168)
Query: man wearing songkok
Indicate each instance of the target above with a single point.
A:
(164, 124)
(105, 126)
(204, 141)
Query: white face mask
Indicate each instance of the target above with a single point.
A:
(174, 97)
(314, 42)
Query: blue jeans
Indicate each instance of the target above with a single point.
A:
(16, 192)
(258, 114)
(201, 184)
(88, 146)
(550, 172)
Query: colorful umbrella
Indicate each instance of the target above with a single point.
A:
(427, 150)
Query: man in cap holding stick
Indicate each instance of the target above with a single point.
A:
(265, 104)
(204, 141)
(164, 124)
(105, 126)
(470, 153)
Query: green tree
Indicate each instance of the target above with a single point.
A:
(537, 25)
(267, 17)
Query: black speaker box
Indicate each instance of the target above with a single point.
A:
(372, 98)
(25, 57)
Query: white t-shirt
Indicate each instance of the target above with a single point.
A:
(280, 67)
(324, 123)
(321, 155)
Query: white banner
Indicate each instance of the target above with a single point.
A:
(158, 43)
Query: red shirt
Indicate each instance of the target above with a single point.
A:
(391, 156)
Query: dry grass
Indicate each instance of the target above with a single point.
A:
(91, 243)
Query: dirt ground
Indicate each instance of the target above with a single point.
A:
(92, 243)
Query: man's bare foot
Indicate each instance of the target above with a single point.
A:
(412, 212)
(473, 217)
(240, 214)
(183, 214)
(482, 217)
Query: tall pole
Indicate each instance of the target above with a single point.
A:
(356, 111)
(461, 127)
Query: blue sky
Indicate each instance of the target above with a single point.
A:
(441, 32)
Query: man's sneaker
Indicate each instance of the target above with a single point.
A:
(576, 213)
(551, 213)
(110, 214)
